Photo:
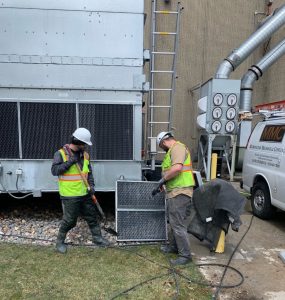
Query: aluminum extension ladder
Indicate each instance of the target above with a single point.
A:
(160, 101)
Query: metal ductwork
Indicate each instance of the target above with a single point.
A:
(257, 38)
(255, 72)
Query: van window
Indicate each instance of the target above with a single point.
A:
(272, 133)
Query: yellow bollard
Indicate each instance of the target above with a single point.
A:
(214, 162)
(221, 243)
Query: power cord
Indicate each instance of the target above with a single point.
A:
(173, 272)
(15, 197)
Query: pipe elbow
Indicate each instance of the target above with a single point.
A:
(224, 70)
(248, 80)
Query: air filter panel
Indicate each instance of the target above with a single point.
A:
(139, 215)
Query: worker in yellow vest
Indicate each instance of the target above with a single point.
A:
(75, 197)
(178, 180)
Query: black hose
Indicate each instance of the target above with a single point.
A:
(137, 285)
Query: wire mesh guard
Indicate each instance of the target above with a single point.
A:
(139, 215)
(111, 126)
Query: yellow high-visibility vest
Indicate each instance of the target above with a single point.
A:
(185, 177)
(70, 183)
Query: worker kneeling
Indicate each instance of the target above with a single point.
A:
(71, 163)
(177, 176)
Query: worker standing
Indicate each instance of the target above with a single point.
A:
(75, 196)
(177, 176)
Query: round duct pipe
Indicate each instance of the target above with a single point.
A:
(257, 38)
(255, 72)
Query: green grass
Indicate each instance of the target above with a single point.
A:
(34, 272)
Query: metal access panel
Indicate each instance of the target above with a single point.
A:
(123, 6)
(139, 215)
(70, 44)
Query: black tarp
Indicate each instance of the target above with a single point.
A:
(215, 206)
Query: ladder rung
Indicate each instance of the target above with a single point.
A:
(161, 71)
(152, 122)
(160, 89)
(164, 33)
(165, 12)
(158, 152)
(160, 106)
(163, 53)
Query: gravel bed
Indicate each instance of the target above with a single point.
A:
(43, 227)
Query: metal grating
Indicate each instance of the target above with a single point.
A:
(9, 145)
(139, 215)
(111, 126)
(138, 195)
(141, 225)
(45, 128)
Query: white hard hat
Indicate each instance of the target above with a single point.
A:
(162, 136)
(83, 135)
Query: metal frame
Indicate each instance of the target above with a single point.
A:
(119, 209)
(205, 153)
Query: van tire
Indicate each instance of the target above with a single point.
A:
(261, 202)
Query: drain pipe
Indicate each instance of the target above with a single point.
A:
(257, 38)
(255, 72)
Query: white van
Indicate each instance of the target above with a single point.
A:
(264, 166)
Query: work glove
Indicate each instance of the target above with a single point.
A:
(73, 160)
(91, 191)
(158, 189)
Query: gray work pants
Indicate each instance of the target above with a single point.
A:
(177, 216)
(73, 208)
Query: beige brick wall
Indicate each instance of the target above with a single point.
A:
(209, 31)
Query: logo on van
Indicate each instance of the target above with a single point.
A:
(273, 133)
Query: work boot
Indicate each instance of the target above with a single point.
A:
(181, 260)
(97, 237)
(60, 246)
(168, 249)
(100, 241)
